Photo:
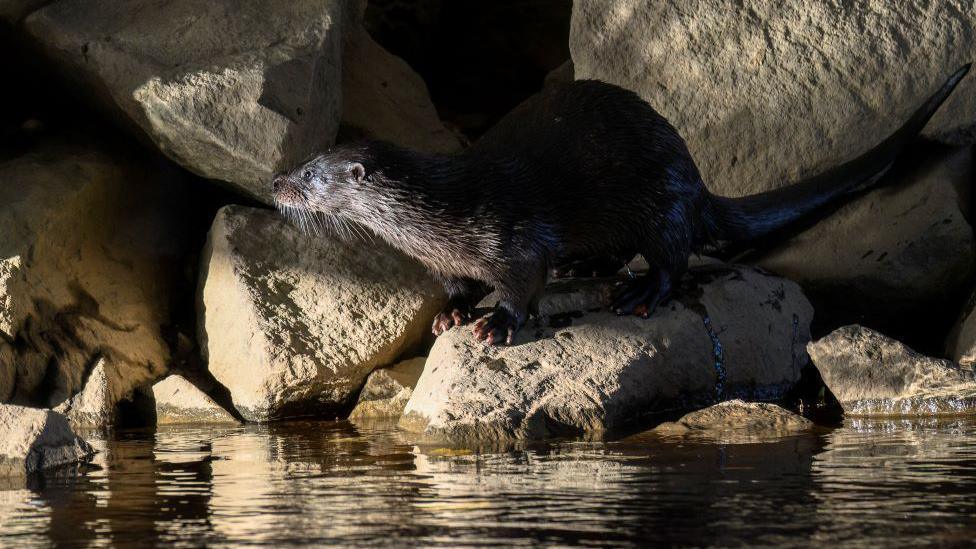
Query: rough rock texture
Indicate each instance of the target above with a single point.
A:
(88, 258)
(961, 345)
(231, 90)
(738, 420)
(383, 98)
(873, 375)
(178, 401)
(387, 390)
(292, 324)
(32, 440)
(733, 332)
(896, 249)
(766, 93)
(94, 405)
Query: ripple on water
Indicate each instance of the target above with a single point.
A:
(873, 481)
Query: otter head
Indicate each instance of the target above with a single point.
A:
(324, 184)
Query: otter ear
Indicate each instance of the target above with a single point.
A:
(358, 172)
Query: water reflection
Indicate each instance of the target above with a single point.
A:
(904, 482)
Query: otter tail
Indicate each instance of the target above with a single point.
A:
(748, 218)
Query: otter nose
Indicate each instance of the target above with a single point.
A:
(277, 181)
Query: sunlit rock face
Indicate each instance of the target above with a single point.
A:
(90, 255)
(32, 440)
(231, 90)
(961, 345)
(873, 375)
(292, 323)
(176, 401)
(766, 93)
(383, 98)
(733, 331)
(737, 421)
(388, 389)
(895, 251)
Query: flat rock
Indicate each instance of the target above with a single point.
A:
(737, 420)
(892, 252)
(767, 93)
(732, 332)
(32, 440)
(961, 345)
(231, 90)
(293, 323)
(388, 389)
(874, 375)
(90, 257)
(383, 98)
(177, 401)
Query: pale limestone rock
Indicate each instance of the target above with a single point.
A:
(32, 440)
(735, 332)
(93, 406)
(292, 323)
(177, 401)
(766, 93)
(873, 375)
(383, 98)
(388, 389)
(88, 263)
(738, 421)
(231, 90)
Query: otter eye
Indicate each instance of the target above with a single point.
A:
(307, 175)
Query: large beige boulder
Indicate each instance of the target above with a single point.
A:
(32, 440)
(961, 345)
(896, 249)
(766, 93)
(293, 323)
(231, 90)
(383, 98)
(736, 332)
(874, 375)
(89, 259)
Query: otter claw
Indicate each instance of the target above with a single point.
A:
(446, 320)
(496, 327)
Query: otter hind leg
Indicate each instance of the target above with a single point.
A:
(462, 296)
(642, 295)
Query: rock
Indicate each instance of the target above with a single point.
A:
(890, 253)
(91, 255)
(383, 98)
(387, 390)
(873, 375)
(961, 345)
(766, 93)
(94, 405)
(739, 421)
(32, 440)
(292, 324)
(231, 90)
(732, 332)
(178, 401)
(13, 11)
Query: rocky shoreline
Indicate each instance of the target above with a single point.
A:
(146, 280)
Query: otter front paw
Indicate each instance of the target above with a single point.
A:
(497, 326)
(449, 318)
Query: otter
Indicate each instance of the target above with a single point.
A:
(583, 170)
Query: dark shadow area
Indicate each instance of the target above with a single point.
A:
(479, 59)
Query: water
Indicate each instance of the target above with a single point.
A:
(867, 483)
